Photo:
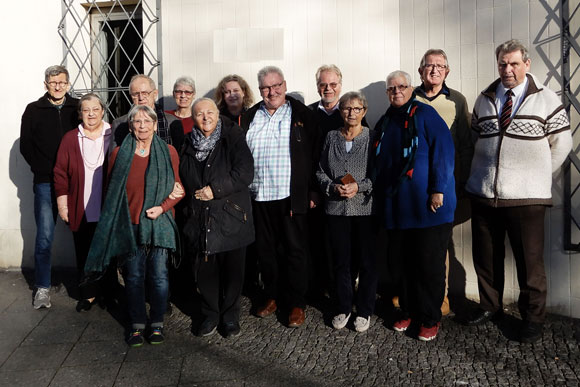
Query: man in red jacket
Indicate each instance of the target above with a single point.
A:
(44, 122)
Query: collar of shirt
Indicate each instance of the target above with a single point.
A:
(321, 107)
(421, 91)
(278, 114)
(519, 92)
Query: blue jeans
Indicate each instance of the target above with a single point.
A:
(152, 267)
(45, 212)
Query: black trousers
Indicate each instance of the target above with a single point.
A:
(524, 226)
(220, 280)
(351, 241)
(282, 248)
(418, 264)
(82, 240)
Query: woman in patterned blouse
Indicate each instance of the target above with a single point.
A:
(343, 175)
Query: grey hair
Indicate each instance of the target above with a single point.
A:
(143, 76)
(352, 95)
(141, 108)
(433, 51)
(55, 70)
(511, 46)
(397, 74)
(185, 80)
(201, 100)
(268, 70)
(330, 67)
(89, 96)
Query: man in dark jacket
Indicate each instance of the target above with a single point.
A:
(44, 122)
(144, 92)
(284, 139)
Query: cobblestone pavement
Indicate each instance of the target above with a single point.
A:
(59, 347)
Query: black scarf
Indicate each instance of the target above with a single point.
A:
(409, 140)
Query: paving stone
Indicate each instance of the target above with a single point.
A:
(36, 357)
(55, 333)
(160, 372)
(86, 353)
(36, 378)
(96, 375)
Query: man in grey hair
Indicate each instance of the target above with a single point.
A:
(44, 122)
(284, 139)
(523, 136)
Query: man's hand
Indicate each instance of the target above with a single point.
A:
(177, 192)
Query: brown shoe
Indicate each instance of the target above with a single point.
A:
(296, 317)
(445, 306)
(267, 309)
(395, 301)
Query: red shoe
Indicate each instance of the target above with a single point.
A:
(428, 334)
(402, 325)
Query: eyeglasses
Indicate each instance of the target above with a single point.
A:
(332, 85)
(53, 84)
(276, 87)
(393, 89)
(432, 66)
(184, 92)
(356, 110)
(142, 122)
(139, 94)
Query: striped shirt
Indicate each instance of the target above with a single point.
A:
(269, 140)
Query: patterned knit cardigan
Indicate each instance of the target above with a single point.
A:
(514, 167)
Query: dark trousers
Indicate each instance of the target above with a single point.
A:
(282, 248)
(351, 241)
(82, 240)
(220, 280)
(524, 226)
(107, 284)
(420, 268)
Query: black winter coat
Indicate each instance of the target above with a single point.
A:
(224, 223)
(305, 147)
(41, 130)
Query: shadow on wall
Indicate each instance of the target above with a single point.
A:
(377, 99)
(62, 247)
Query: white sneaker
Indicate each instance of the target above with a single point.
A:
(340, 321)
(361, 324)
(41, 299)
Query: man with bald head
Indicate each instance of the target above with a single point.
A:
(284, 139)
(144, 92)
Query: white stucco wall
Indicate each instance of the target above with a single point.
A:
(366, 39)
(29, 50)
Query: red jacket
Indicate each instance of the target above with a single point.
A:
(69, 175)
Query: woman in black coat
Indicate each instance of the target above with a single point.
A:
(216, 168)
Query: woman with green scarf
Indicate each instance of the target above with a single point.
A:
(137, 222)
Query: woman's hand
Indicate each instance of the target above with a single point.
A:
(435, 201)
(347, 190)
(62, 204)
(154, 212)
(204, 193)
(177, 192)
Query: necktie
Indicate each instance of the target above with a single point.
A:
(506, 111)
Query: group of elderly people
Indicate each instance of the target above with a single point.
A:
(210, 178)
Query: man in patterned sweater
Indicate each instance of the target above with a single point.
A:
(523, 136)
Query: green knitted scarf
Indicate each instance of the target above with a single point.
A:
(114, 235)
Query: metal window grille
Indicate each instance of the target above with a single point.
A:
(105, 43)
(570, 37)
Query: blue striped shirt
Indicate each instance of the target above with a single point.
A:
(269, 140)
